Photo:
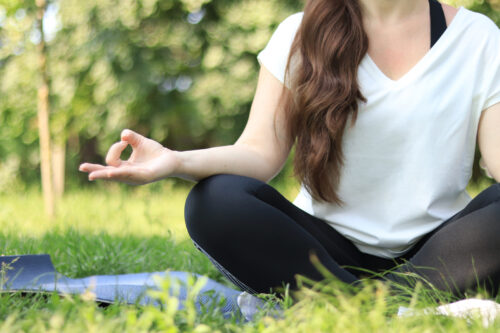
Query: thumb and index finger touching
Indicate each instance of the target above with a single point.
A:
(133, 138)
(128, 137)
(115, 151)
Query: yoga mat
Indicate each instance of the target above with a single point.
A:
(36, 273)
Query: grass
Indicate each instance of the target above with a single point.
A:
(109, 230)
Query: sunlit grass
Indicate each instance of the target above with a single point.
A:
(139, 213)
(111, 230)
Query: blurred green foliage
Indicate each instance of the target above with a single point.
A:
(180, 71)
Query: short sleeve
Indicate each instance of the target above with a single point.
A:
(275, 55)
(492, 88)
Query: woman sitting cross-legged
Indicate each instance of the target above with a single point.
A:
(384, 102)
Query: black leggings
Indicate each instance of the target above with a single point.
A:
(260, 240)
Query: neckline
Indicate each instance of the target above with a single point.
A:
(415, 69)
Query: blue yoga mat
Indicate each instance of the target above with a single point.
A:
(36, 273)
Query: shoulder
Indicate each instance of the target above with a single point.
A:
(275, 55)
(477, 31)
(285, 32)
(449, 12)
(290, 25)
(292, 21)
(283, 36)
(477, 22)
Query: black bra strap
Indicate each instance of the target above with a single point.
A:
(438, 21)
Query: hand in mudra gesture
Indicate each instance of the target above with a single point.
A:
(149, 161)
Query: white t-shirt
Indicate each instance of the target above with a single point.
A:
(409, 156)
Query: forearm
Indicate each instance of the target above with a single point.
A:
(238, 159)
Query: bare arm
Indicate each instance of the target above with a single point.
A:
(260, 152)
(489, 140)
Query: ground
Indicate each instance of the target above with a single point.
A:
(113, 230)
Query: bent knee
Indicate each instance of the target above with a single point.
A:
(213, 201)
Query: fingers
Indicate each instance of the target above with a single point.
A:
(122, 174)
(90, 167)
(97, 171)
(104, 173)
(110, 173)
(133, 138)
(118, 174)
(114, 153)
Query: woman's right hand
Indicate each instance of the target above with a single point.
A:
(260, 152)
(149, 161)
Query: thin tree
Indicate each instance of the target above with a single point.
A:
(43, 114)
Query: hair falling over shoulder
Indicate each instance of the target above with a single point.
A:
(324, 91)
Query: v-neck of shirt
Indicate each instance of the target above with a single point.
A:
(370, 65)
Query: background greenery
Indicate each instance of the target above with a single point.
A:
(180, 71)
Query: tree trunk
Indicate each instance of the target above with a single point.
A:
(43, 115)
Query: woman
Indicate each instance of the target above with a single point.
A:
(383, 100)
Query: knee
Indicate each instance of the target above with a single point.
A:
(214, 201)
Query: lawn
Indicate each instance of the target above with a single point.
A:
(107, 229)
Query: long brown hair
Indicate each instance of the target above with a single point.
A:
(324, 92)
